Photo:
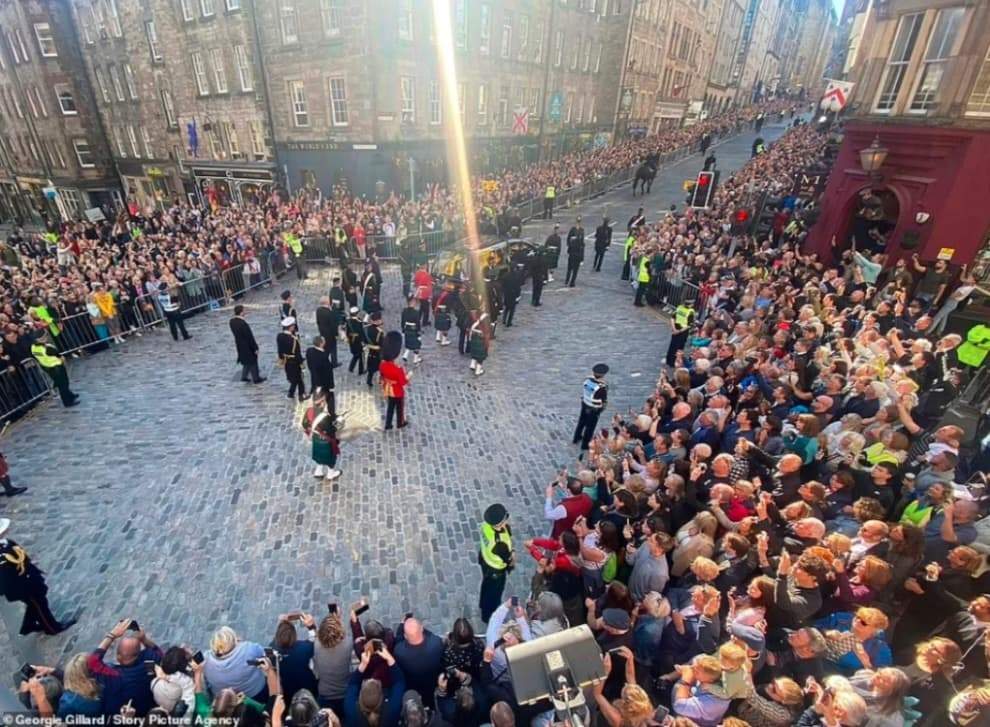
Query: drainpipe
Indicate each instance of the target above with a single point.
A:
(259, 56)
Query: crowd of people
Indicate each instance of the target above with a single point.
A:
(89, 283)
(775, 538)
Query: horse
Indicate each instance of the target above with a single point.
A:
(645, 175)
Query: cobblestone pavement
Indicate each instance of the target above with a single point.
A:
(181, 497)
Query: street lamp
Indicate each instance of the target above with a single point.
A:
(872, 157)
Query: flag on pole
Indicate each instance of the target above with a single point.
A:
(520, 121)
(836, 95)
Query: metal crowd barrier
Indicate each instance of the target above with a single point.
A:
(21, 387)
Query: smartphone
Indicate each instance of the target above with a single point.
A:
(661, 713)
(255, 662)
(133, 626)
(198, 657)
(332, 607)
(27, 671)
(362, 608)
(376, 645)
(271, 655)
(514, 601)
(149, 668)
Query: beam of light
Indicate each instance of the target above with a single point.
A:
(458, 170)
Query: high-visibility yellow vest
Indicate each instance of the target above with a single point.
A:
(51, 238)
(630, 241)
(490, 537)
(41, 312)
(973, 352)
(294, 243)
(683, 315)
(551, 192)
(48, 361)
(644, 269)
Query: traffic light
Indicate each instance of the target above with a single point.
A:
(741, 219)
(704, 188)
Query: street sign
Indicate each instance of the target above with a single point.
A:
(836, 95)
(520, 121)
(556, 106)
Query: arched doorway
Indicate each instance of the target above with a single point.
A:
(873, 217)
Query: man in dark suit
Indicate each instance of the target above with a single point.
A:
(603, 238)
(575, 252)
(328, 320)
(247, 347)
(321, 370)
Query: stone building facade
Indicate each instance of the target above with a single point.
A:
(180, 97)
(54, 161)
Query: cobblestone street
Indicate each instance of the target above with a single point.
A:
(181, 497)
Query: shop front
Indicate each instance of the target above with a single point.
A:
(225, 186)
(906, 189)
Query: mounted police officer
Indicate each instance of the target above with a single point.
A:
(495, 558)
(594, 396)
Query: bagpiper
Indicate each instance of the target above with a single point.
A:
(319, 423)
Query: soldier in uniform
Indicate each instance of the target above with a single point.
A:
(288, 308)
(355, 340)
(603, 239)
(493, 302)
(290, 356)
(594, 396)
(575, 252)
(21, 580)
(349, 284)
(338, 300)
(478, 344)
(373, 336)
(441, 313)
(411, 330)
(552, 247)
(462, 307)
(319, 423)
(495, 558)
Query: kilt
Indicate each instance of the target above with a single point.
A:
(413, 341)
(323, 453)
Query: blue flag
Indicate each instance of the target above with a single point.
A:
(193, 137)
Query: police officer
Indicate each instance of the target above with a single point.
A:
(373, 336)
(291, 357)
(683, 322)
(21, 580)
(594, 396)
(627, 255)
(575, 252)
(603, 239)
(495, 558)
(548, 199)
(294, 243)
(54, 365)
(170, 307)
(642, 279)
(552, 247)
(355, 340)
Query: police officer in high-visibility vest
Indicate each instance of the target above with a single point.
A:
(974, 350)
(627, 256)
(39, 311)
(54, 365)
(642, 279)
(295, 244)
(548, 198)
(172, 311)
(495, 558)
(683, 323)
(594, 396)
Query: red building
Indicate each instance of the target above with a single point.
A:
(917, 145)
